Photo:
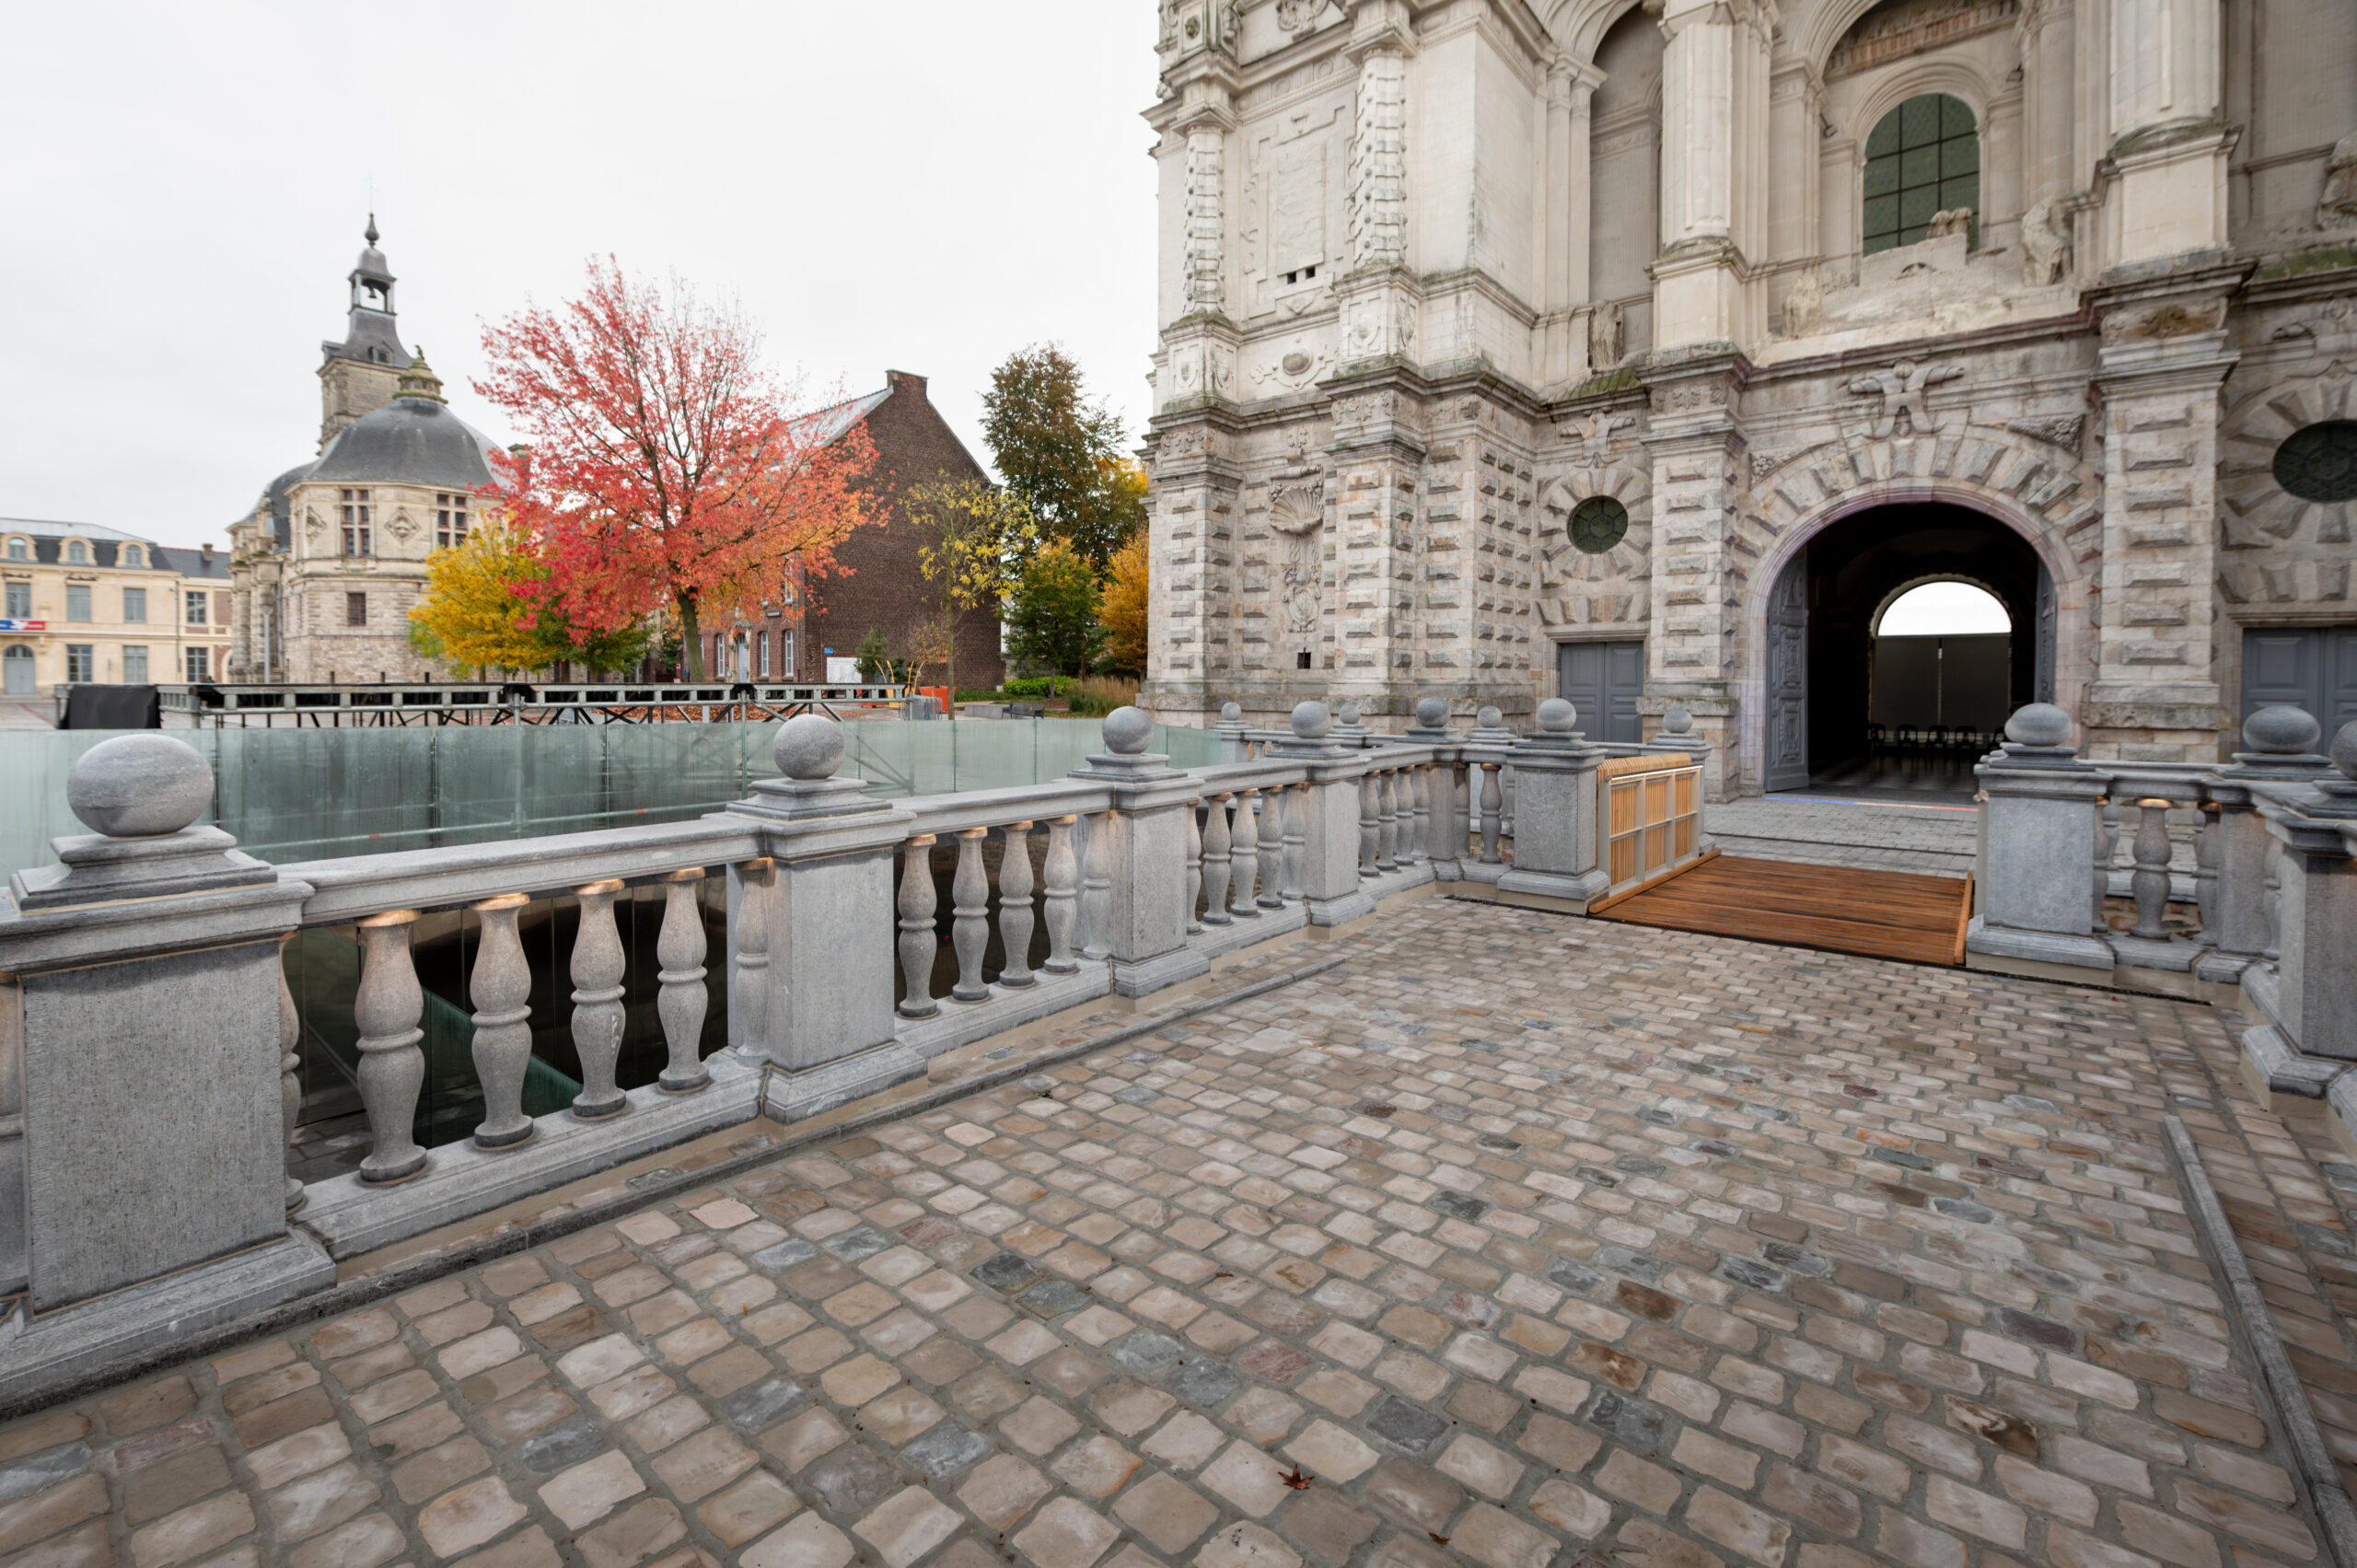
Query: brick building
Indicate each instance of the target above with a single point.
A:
(880, 586)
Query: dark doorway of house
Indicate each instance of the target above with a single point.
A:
(1603, 681)
(1874, 722)
(2305, 666)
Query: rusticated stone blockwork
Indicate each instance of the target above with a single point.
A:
(1526, 337)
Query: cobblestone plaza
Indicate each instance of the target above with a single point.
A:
(1511, 1240)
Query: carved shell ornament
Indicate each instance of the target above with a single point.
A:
(1297, 509)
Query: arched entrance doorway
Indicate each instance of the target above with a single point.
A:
(1837, 707)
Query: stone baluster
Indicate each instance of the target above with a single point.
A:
(501, 990)
(1245, 854)
(682, 1001)
(2149, 883)
(1270, 866)
(917, 942)
(290, 1086)
(1387, 821)
(1492, 803)
(1296, 837)
(969, 909)
(1370, 826)
(1063, 896)
(386, 1010)
(1192, 881)
(2208, 848)
(1419, 837)
(1098, 902)
(748, 950)
(1014, 907)
(597, 1015)
(1216, 865)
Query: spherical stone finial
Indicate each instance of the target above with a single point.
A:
(2039, 724)
(1489, 718)
(1432, 712)
(1312, 722)
(2344, 751)
(2282, 731)
(1127, 730)
(1350, 714)
(1230, 712)
(139, 786)
(808, 747)
(1556, 716)
(1678, 721)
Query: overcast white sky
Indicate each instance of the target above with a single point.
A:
(925, 185)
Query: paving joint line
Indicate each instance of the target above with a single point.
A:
(402, 1278)
(2327, 1493)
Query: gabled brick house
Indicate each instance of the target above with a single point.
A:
(883, 586)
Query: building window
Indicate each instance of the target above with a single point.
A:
(355, 610)
(77, 601)
(785, 664)
(18, 550)
(198, 663)
(1598, 523)
(134, 666)
(356, 525)
(2318, 463)
(196, 606)
(134, 606)
(20, 601)
(450, 520)
(78, 662)
(1923, 158)
(130, 556)
(762, 640)
(78, 554)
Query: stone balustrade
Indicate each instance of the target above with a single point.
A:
(150, 1021)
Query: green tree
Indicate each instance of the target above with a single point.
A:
(1062, 454)
(977, 537)
(875, 656)
(1051, 619)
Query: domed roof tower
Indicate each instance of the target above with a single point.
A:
(362, 373)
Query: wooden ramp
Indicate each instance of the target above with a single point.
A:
(1877, 914)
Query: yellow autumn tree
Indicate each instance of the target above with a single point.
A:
(976, 539)
(1122, 608)
(487, 607)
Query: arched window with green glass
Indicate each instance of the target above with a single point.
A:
(1923, 158)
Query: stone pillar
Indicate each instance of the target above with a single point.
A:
(1715, 136)
(2039, 825)
(1327, 817)
(2169, 148)
(831, 1032)
(2155, 695)
(2307, 1003)
(140, 980)
(1555, 807)
(2281, 750)
(1690, 654)
(1233, 746)
(2049, 33)
(1571, 100)
(1377, 295)
(1446, 827)
(1143, 932)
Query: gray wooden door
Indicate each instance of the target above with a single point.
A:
(1603, 681)
(2307, 667)
(1788, 679)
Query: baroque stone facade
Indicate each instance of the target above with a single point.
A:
(1493, 328)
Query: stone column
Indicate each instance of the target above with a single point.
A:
(831, 1032)
(1696, 598)
(2039, 827)
(1378, 294)
(1555, 807)
(2307, 1003)
(1142, 931)
(1324, 817)
(140, 980)
(1715, 109)
(2281, 750)
(2169, 148)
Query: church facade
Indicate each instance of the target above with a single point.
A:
(326, 567)
(1642, 350)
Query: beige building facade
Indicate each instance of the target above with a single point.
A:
(327, 566)
(1646, 352)
(85, 605)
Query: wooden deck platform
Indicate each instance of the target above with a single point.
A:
(1877, 914)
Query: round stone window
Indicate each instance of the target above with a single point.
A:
(2319, 463)
(1598, 523)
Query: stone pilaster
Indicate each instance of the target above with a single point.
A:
(2168, 160)
(1377, 459)
(1377, 296)
(1715, 125)
(1697, 584)
(1191, 544)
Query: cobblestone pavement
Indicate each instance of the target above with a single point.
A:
(1515, 1241)
(1874, 835)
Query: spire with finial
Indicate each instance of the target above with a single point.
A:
(419, 380)
(370, 234)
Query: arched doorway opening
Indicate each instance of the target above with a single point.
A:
(1859, 705)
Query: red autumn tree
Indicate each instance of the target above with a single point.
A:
(666, 468)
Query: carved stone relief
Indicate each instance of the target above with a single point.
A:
(1297, 514)
(1902, 391)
